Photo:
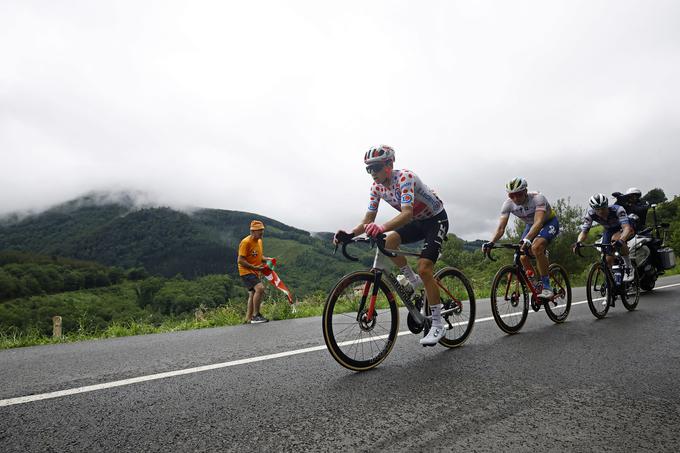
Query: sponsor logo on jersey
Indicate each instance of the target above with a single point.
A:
(406, 198)
(373, 206)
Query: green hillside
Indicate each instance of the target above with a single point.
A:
(167, 242)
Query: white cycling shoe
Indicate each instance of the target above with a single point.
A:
(546, 293)
(628, 275)
(433, 336)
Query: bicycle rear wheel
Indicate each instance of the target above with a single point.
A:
(558, 308)
(632, 292)
(598, 291)
(353, 341)
(509, 300)
(458, 306)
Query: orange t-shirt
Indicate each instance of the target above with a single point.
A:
(251, 249)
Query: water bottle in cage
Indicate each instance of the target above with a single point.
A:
(406, 286)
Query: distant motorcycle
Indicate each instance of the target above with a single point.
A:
(652, 258)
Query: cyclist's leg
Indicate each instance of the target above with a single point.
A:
(434, 230)
(624, 248)
(392, 242)
(411, 232)
(538, 250)
(550, 230)
(628, 276)
(526, 262)
(426, 273)
(607, 239)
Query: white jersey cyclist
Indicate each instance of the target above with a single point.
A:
(406, 189)
(535, 201)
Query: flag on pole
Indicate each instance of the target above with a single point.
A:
(273, 278)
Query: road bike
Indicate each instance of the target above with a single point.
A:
(361, 316)
(511, 287)
(604, 284)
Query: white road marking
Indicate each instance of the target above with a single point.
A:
(199, 369)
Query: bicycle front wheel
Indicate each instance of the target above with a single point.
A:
(353, 340)
(598, 291)
(632, 292)
(458, 306)
(558, 308)
(509, 300)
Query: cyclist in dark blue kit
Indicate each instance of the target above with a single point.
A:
(617, 228)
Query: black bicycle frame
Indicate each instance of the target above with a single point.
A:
(605, 251)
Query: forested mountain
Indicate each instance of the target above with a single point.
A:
(168, 242)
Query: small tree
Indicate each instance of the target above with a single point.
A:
(655, 196)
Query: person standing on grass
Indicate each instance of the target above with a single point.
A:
(250, 263)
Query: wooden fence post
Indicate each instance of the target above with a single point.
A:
(56, 327)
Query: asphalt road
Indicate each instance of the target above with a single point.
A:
(585, 385)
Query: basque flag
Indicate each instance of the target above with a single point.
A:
(273, 278)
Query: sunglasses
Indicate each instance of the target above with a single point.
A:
(375, 168)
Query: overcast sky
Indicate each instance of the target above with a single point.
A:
(269, 106)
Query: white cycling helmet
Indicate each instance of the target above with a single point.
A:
(634, 190)
(379, 154)
(599, 200)
(516, 185)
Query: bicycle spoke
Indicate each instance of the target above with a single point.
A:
(509, 300)
(458, 306)
(353, 340)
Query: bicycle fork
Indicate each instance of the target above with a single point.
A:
(370, 312)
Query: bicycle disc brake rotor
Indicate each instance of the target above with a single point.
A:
(603, 290)
(365, 324)
(514, 299)
(451, 305)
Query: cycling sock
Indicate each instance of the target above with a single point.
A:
(410, 275)
(436, 315)
(626, 259)
(545, 279)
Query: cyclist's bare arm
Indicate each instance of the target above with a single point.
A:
(404, 217)
(539, 217)
(368, 218)
(582, 236)
(627, 232)
(500, 230)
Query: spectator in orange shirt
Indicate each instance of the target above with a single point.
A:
(250, 264)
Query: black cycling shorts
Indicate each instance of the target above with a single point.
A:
(432, 230)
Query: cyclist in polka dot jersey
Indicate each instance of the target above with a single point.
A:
(406, 188)
(421, 217)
